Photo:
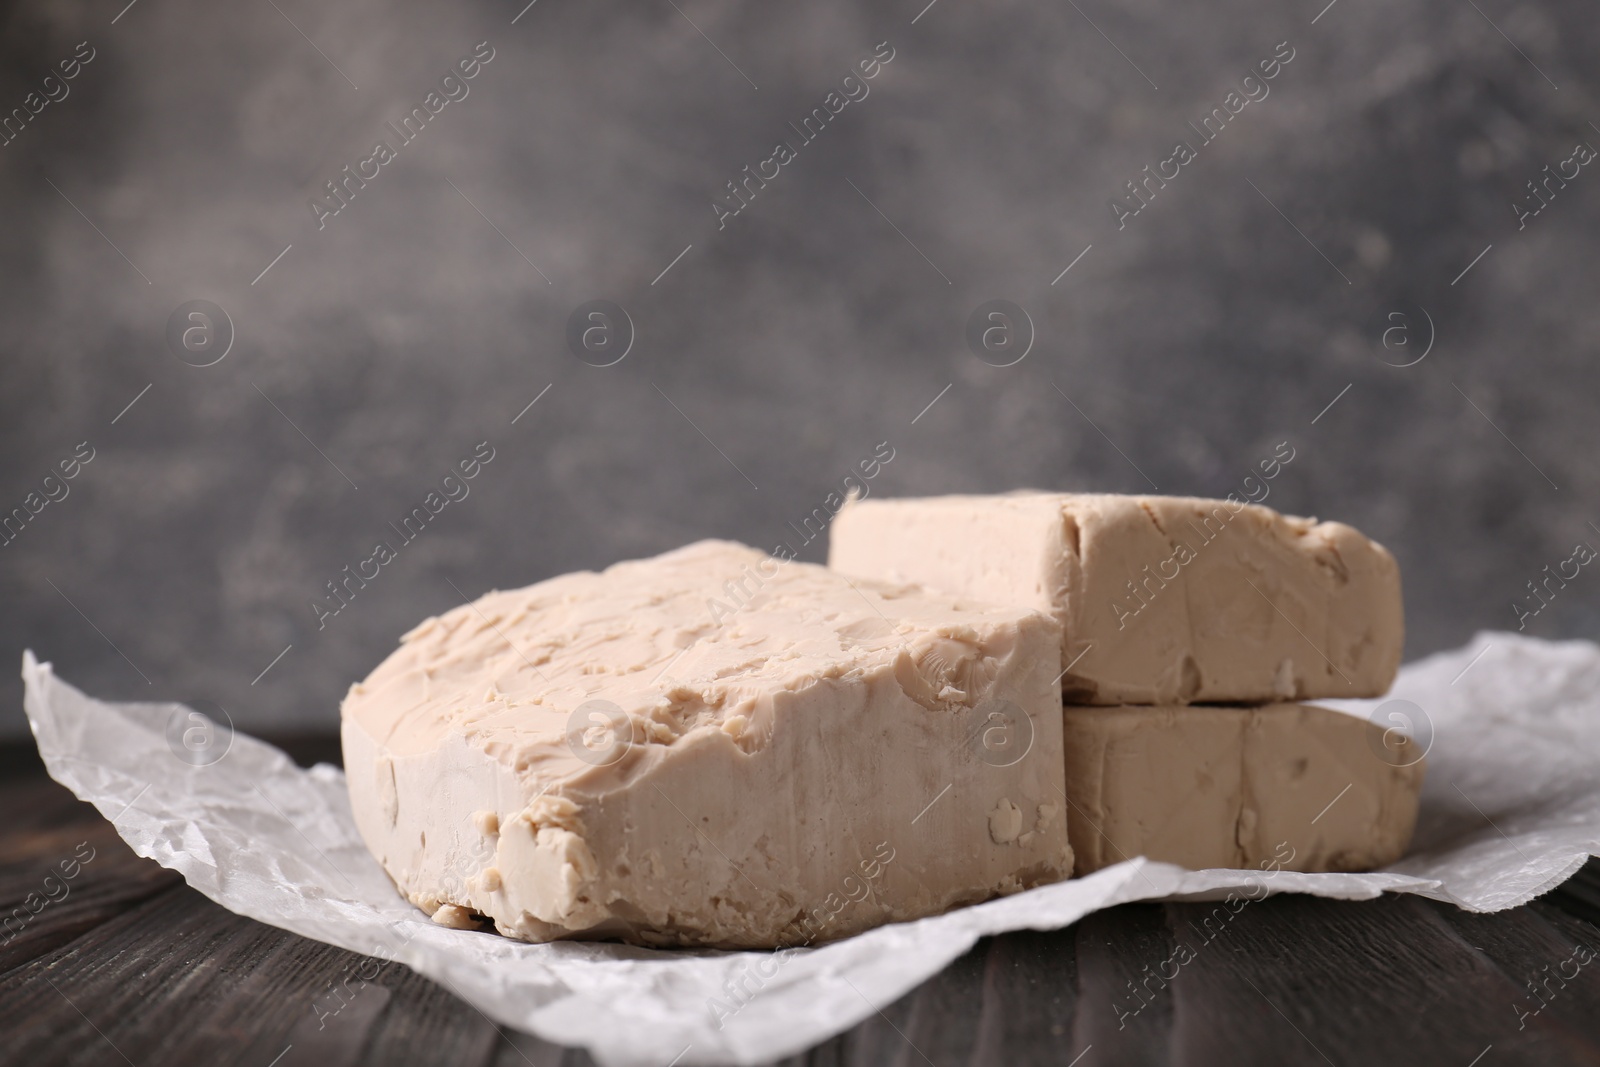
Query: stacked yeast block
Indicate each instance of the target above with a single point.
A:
(1167, 602)
(713, 747)
(1162, 600)
(1309, 788)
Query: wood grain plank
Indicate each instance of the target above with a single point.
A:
(525, 1050)
(427, 1025)
(134, 985)
(1567, 926)
(57, 884)
(1551, 962)
(1298, 980)
(35, 802)
(63, 869)
(1122, 1017)
(1029, 999)
(883, 1037)
(945, 1011)
(1579, 896)
(176, 979)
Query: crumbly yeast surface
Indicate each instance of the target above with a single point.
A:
(711, 747)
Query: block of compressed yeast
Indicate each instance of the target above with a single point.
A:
(1203, 786)
(1162, 600)
(712, 747)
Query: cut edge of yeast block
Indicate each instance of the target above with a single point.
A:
(1162, 600)
(714, 747)
(1303, 787)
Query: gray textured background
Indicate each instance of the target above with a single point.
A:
(795, 339)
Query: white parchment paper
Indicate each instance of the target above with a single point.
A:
(1511, 808)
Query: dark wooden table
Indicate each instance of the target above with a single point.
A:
(130, 965)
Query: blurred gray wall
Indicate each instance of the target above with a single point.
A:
(780, 349)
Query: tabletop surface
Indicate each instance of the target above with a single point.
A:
(124, 963)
